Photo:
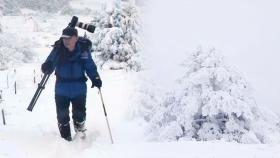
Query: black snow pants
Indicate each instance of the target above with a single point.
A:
(62, 111)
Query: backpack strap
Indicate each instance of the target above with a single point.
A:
(85, 44)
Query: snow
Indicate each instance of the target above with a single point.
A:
(40, 127)
(35, 134)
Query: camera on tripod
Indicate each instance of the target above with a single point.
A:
(74, 22)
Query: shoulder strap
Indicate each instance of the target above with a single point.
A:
(85, 43)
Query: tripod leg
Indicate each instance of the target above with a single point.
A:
(40, 88)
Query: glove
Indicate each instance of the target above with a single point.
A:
(96, 82)
(47, 67)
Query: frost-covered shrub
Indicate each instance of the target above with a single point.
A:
(116, 38)
(12, 7)
(13, 51)
(69, 10)
(212, 102)
(1, 7)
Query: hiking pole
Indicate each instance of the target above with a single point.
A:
(105, 113)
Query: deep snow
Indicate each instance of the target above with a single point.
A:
(30, 135)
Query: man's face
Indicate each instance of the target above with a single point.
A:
(70, 42)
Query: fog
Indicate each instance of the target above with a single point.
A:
(246, 32)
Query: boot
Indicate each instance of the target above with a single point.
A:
(65, 131)
(79, 126)
(80, 130)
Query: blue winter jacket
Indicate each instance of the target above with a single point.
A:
(71, 68)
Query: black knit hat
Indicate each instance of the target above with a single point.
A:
(69, 32)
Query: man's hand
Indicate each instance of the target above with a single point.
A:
(96, 82)
(47, 67)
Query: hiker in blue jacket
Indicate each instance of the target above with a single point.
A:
(73, 62)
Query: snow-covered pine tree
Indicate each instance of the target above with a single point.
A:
(212, 102)
(116, 38)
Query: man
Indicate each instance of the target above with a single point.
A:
(71, 59)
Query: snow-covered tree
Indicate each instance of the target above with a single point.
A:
(116, 38)
(212, 102)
